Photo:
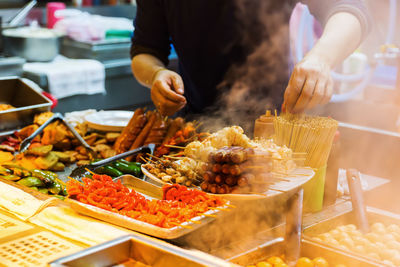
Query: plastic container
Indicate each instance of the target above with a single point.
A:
(332, 172)
(314, 191)
(52, 7)
(264, 126)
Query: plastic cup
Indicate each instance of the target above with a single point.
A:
(314, 191)
(52, 7)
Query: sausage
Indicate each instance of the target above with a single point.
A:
(175, 126)
(238, 156)
(139, 141)
(211, 157)
(204, 186)
(230, 180)
(216, 168)
(157, 132)
(209, 177)
(242, 181)
(130, 132)
(219, 179)
(235, 170)
(225, 169)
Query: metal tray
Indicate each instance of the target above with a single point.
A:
(143, 227)
(308, 249)
(374, 215)
(151, 252)
(28, 102)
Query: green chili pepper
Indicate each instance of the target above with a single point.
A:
(127, 168)
(11, 177)
(56, 188)
(109, 170)
(59, 197)
(43, 190)
(46, 177)
(31, 181)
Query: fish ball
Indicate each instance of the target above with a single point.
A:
(388, 253)
(359, 249)
(378, 228)
(393, 228)
(393, 244)
(373, 237)
(348, 242)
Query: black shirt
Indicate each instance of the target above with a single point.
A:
(238, 46)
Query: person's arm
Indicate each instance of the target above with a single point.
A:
(149, 52)
(310, 83)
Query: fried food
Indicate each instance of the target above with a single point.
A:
(6, 107)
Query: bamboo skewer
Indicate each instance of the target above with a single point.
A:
(183, 226)
(172, 146)
(209, 215)
(196, 222)
(92, 173)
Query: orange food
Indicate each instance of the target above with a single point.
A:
(179, 203)
(304, 262)
(264, 264)
(275, 260)
(6, 156)
(320, 262)
(6, 107)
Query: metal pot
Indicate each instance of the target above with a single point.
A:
(31, 44)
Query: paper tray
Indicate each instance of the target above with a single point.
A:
(139, 226)
(151, 252)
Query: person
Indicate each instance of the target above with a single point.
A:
(230, 43)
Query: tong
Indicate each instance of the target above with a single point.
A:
(357, 199)
(57, 116)
(81, 171)
(293, 227)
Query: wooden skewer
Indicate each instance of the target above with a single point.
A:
(152, 156)
(231, 206)
(196, 222)
(171, 157)
(92, 173)
(75, 180)
(183, 226)
(216, 208)
(172, 146)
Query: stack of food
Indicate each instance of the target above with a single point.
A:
(179, 204)
(45, 182)
(150, 127)
(237, 170)
(183, 171)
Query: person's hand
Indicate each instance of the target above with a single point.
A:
(310, 84)
(167, 92)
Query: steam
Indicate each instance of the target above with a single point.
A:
(257, 83)
(250, 87)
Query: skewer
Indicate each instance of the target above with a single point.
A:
(231, 206)
(92, 173)
(152, 156)
(75, 180)
(172, 146)
(196, 222)
(171, 157)
(216, 208)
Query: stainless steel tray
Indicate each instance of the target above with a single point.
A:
(143, 227)
(374, 215)
(308, 249)
(151, 252)
(28, 102)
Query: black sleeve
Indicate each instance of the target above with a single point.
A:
(151, 31)
(324, 9)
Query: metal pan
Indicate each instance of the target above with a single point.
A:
(28, 102)
(373, 215)
(308, 249)
(125, 250)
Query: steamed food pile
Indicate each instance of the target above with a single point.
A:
(302, 262)
(225, 162)
(381, 243)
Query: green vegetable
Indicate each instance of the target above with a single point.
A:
(59, 197)
(55, 188)
(34, 187)
(43, 190)
(64, 191)
(21, 172)
(11, 177)
(127, 168)
(111, 171)
(31, 181)
(47, 177)
(4, 171)
(130, 163)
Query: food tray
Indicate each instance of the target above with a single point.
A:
(374, 215)
(128, 248)
(308, 249)
(139, 226)
(295, 179)
(28, 102)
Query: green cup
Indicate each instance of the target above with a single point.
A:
(314, 191)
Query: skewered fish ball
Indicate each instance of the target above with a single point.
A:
(378, 228)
